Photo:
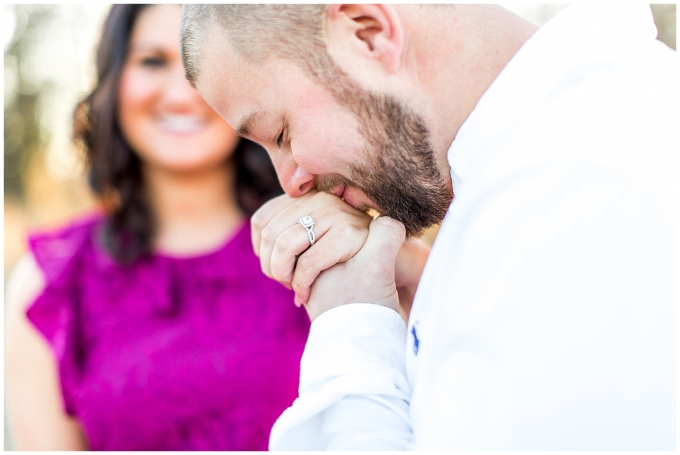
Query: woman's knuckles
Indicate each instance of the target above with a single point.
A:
(269, 234)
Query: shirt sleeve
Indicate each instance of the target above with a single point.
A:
(354, 394)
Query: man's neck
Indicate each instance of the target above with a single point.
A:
(458, 51)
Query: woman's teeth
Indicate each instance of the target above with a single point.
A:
(181, 123)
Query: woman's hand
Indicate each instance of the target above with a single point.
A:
(278, 238)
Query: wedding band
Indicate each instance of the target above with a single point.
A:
(308, 223)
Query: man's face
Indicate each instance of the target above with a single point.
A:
(370, 149)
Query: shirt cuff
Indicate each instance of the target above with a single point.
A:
(351, 339)
(352, 372)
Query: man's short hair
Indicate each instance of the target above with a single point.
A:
(257, 32)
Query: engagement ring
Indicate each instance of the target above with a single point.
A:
(308, 223)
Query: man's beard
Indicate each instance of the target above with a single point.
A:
(401, 175)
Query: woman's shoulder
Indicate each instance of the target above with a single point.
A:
(50, 249)
(24, 283)
(76, 227)
(54, 248)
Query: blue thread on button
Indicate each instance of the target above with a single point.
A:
(416, 342)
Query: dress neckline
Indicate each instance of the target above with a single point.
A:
(226, 244)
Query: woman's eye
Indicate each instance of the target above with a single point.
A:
(153, 62)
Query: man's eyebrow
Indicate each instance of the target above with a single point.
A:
(246, 126)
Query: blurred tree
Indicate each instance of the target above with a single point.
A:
(23, 135)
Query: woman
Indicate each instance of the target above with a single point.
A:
(162, 333)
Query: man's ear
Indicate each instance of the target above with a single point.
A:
(374, 31)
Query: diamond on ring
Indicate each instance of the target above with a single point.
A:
(308, 223)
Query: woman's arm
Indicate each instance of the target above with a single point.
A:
(35, 407)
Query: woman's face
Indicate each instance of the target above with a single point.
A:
(163, 118)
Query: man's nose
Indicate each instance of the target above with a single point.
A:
(294, 180)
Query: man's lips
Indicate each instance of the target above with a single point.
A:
(348, 198)
(341, 192)
(356, 199)
(367, 208)
(338, 191)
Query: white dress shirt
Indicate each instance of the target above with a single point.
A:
(545, 317)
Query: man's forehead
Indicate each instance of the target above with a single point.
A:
(228, 83)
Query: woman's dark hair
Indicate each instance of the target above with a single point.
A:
(115, 171)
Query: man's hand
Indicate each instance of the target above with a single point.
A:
(277, 237)
(368, 277)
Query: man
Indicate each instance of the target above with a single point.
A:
(545, 316)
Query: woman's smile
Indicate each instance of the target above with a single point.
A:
(182, 124)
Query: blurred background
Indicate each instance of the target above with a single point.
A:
(48, 67)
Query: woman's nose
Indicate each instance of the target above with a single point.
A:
(178, 90)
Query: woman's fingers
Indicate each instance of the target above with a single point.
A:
(280, 241)
(263, 217)
(348, 231)
(280, 235)
(291, 243)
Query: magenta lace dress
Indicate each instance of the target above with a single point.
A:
(196, 353)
